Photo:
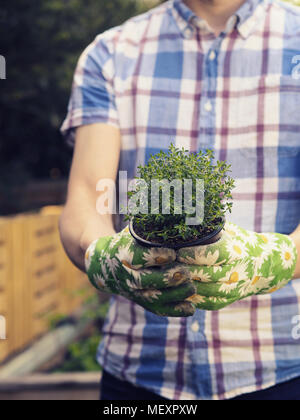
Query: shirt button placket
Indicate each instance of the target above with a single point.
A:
(207, 117)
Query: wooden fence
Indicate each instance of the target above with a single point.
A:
(37, 280)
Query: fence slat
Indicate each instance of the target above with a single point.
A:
(36, 278)
(5, 289)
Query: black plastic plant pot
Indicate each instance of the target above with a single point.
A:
(208, 239)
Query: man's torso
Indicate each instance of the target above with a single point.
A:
(238, 94)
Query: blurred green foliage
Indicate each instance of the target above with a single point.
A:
(80, 355)
(41, 42)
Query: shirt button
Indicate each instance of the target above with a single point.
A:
(188, 32)
(208, 106)
(195, 326)
(212, 56)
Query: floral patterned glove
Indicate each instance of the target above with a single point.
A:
(240, 264)
(147, 276)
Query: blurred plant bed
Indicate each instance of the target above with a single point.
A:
(52, 387)
(71, 373)
(80, 355)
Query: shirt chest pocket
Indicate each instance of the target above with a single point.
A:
(264, 117)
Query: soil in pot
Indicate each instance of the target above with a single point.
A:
(205, 237)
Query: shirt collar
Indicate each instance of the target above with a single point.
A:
(245, 19)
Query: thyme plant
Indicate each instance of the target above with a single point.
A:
(179, 164)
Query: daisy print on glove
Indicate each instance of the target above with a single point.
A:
(150, 277)
(239, 265)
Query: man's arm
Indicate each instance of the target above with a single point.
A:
(96, 156)
(296, 238)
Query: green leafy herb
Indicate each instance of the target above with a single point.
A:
(179, 164)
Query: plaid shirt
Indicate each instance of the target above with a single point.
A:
(163, 77)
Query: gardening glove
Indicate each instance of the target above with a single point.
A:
(148, 276)
(240, 264)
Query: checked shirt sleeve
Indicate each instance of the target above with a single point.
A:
(92, 98)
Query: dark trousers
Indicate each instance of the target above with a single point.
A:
(115, 389)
